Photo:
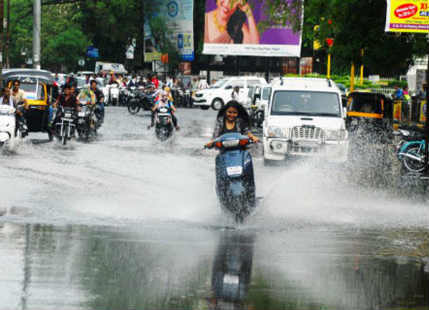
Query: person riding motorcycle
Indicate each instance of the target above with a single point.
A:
(163, 101)
(232, 118)
(20, 103)
(99, 98)
(65, 100)
(6, 98)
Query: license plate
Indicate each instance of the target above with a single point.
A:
(236, 170)
(231, 279)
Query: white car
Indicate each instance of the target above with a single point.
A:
(305, 117)
(220, 93)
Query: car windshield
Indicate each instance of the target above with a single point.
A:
(366, 103)
(266, 92)
(219, 84)
(100, 82)
(33, 91)
(306, 103)
(81, 83)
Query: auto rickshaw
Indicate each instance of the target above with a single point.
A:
(371, 114)
(40, 91)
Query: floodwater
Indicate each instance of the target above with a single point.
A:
(126, 222)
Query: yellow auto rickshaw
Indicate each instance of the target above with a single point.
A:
(40, 90)
(370, 114)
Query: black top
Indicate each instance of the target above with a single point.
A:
(67, 103)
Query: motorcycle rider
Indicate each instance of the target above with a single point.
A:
(235, 95)
(233, 117)
(99, 99)
(6, 98)
(65, 100)
(164, 102)
(20, 103)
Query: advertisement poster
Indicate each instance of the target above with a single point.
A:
(247, 28)
(178, 15)
(407, 16)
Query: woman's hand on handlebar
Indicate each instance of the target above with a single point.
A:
(209, 145)
(255, 139)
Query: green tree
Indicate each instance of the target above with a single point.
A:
(360, 25)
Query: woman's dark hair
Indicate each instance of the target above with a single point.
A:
(234, 25)
(242, 113)
(16, 81)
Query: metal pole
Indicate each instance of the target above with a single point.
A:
(1, 33)
(142, 30)
(361, 67)
(328, 67)
(352, 77)
(427, 115)
(37, 11)
(7, 35)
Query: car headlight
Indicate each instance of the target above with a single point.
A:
(336, 134)
(277, 132)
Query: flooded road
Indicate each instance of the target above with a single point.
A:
(126, 222)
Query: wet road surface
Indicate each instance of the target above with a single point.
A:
(126, 222)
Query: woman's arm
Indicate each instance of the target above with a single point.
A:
(250, 31)
(206, 29)
(210, 37)
(253, 137)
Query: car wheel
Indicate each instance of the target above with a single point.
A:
(204, 107)
(217, 104)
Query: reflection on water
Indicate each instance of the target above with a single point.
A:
(93, 268)
(232, 269)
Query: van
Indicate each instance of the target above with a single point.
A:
(220, 93)
(108, 67)
(305, 118)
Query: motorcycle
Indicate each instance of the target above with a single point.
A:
(163, 124)
(235, 183)
(66, 125)
(8, 126)
(124, 96)
(86, 122)
(140, 100)
(411, 150)
(256, 115)
(113, 94)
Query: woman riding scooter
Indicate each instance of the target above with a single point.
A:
(232, 118)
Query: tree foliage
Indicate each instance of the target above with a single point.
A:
(356, 25)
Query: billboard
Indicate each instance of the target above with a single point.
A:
(248, 28)
(407, 16)
(178, 15)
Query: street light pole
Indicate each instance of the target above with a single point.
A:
(37, 11)
(7, 35)
(427, 114)
(1, 33)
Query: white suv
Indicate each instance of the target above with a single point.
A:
(220, 93)
(305, 117)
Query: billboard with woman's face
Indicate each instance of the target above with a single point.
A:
(249, 28)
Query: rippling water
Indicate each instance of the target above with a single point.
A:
(126, 222)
